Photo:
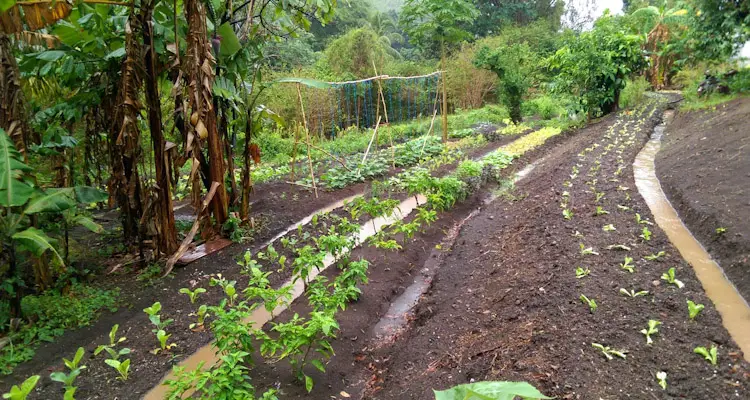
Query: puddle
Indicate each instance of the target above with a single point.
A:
(260, 316)
(400, 310)
(733, 308)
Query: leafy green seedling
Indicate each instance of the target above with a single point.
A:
(73, 366)
(694, 309)
(162, 336)
(618, 247)
(669, 276)
(609, 352)
(608, 228)
(202, 313)
(633, 293)
(599, 196)
(710, 355)
(590, 302)
(623, 208)
(661, 377)
(627, 265)
(581, 272)
(600, 211)
(653, 329)
(123, 368)
(720, 231)
(23, 391)
(567, 214)
(655, 257)
(585, 251)
(110, 348)
(155, 318)
(568, 184)
(192, 294)
(641, 220)
(645, 234)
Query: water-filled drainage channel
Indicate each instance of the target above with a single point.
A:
(733, 308)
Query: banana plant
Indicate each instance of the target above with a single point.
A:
(21, 199)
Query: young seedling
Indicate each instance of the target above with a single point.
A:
(75, 370)
(641, 220)
(608, 228)
(709, 355)
(669, 277)
(661, 377)
(590, 302)
(627, 265)
(645, 234)
(23, 391)
(694, 309)
(651, 330)
(623, 208)
(609, 352)
(581, 272)
(585, 251)
(599, 196)
(567, 214)
(123, 368)
(600, 211)
(155, 317)
(618, 247)
(110, 348)
(720, 231)
(202, 313)
(655, 257)
(192, 294)
(162, 336)
(633, 293)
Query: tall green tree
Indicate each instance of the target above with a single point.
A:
(438, 23)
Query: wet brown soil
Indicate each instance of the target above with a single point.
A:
(276, 205)
(704, 168)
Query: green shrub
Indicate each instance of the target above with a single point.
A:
(544, 106)
(634, 91)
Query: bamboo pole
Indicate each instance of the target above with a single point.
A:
(385, 111)
(371, 139)
(307, 140)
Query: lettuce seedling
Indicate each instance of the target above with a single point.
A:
(599, 196)
(581, 272)
(193, 295)
(609, 352)
(202, 313)
(600, 211)
(155, 317)
(590, 302)
(608, 228)
(110, 348)
(694, 309)
(633, 293)
(669, 277)
(645, 234)
(567, 214)
(618, 247)
(661, 377)
(721, 231)
(587, 250)
(627, 265)
(651, 330)
(623, 208)
(710, 355)
(23, 391)
(641, 220)
(162, 336)
(75, 370)
(654, 257)
(123, 368)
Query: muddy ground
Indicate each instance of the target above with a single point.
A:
(704, 168)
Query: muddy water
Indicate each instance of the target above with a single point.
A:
(260, 316)
(733, 308)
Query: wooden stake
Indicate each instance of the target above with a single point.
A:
(385, 110)
(374, 134)
(307, 140)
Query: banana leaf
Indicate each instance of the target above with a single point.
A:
(52, 200)
(13, 191)
(37, 242)
(88, 223)
(490, 391)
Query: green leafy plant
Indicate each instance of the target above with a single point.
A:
(123, 368)
(600, 211)
(23, 391)
(608, 352)
(645, 234)
(567, 214)
(490, 390)
(661, 377)
(582, 273)
(655, 257)
(608, 228)
(710, 355)
(155, 317)
(193, 295)
(720, 231)
(618, 247)
(589, 302)
(163, 337)
(627, 265)
(75, 370)
(641, 220)
(694, 309)
(633, 293)
(202, 313)
(653, 329)
(670, 278)
(110, 348)
(585, 251)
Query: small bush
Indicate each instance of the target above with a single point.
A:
(634, 91)
(544, 106)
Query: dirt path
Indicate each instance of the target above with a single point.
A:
(704, 167)
(505, 304)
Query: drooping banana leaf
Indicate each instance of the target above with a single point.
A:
(37, 242)
(500, 390)
(13, 191)
(88, 194)
(52, 200)
(88, 223)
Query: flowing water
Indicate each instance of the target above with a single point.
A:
(734, 310)
(260, 316)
